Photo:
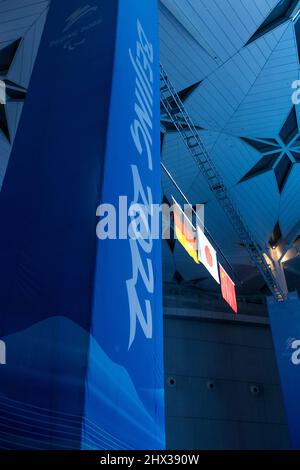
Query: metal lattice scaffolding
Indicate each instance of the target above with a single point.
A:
(178, 115)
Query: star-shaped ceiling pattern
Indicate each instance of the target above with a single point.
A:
(167, 124)
(14, 92)
(280, 13)
(278, 154)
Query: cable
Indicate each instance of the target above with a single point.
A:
(201, 223)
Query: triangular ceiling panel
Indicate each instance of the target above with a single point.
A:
(289, 204)
(268, 101)
(224, 95)
(277, 16)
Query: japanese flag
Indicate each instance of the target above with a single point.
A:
(207, 255)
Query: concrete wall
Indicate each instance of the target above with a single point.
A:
(233, 357)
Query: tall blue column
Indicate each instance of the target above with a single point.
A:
(81, 318)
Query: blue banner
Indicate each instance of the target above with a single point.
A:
(285, 325)
(125, 377)
(83, 367)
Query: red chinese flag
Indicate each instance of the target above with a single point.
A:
(228, 289)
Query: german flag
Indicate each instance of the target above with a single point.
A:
(185, 232)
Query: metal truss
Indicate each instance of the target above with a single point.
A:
(176, 112)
